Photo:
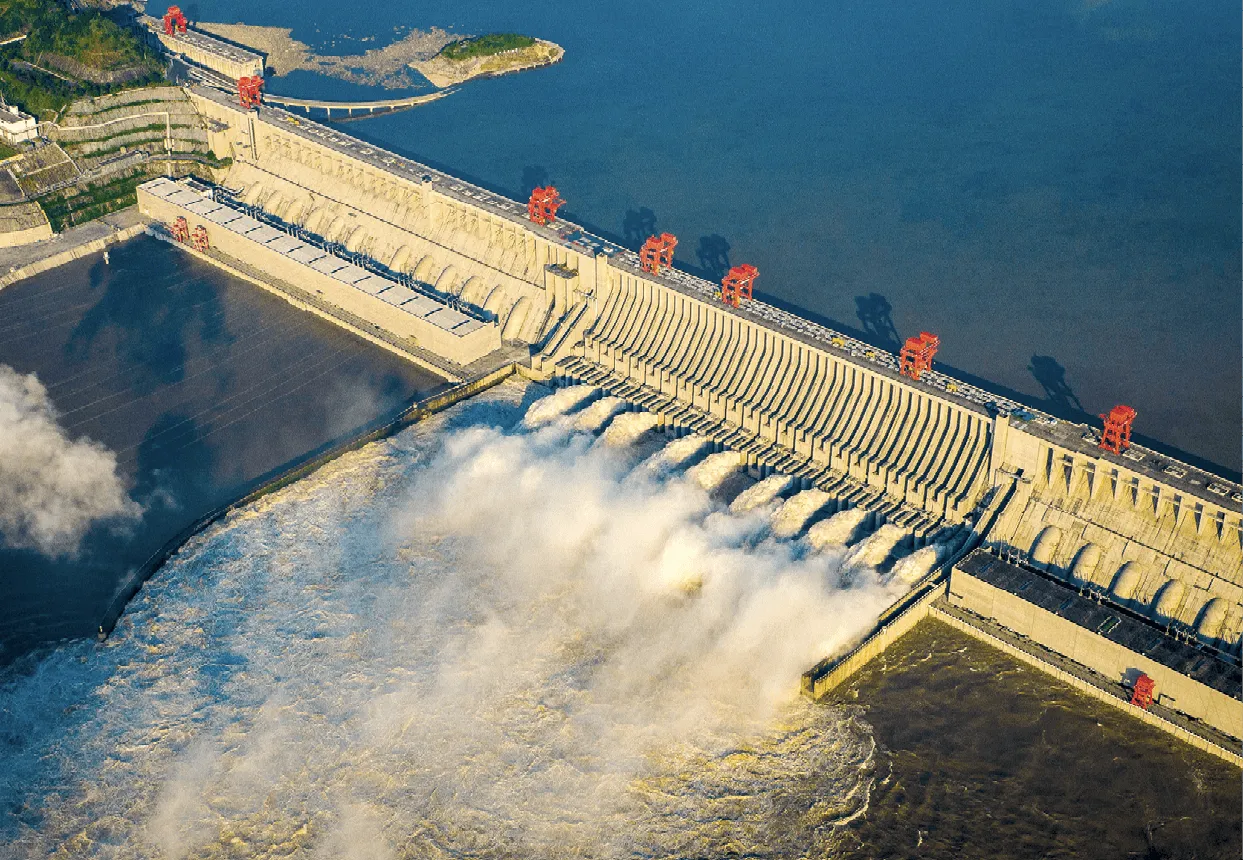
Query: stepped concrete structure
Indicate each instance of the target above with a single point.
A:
(954, 466)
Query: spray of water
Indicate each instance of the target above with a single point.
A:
(558, 403)
(792, 517)
(838, 530)
(465, 641)
(628, 428)
(761, 493)
(596, 415)
(877, 547)
(716, 469)
(683, 450)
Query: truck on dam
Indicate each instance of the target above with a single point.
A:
(1115, 567)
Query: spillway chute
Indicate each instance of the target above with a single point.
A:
(599, 413)
(628, 428)
(797, 511)
(716, 469)
(918, 564)
(558, 403)
(877, 547)
(838, 530)
(761, 493)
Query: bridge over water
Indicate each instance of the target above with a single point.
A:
(367, 108)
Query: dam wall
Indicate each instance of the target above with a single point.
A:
(935, 456)
(461, 241)
(864, 422)
(424, 322)
(1143, 531)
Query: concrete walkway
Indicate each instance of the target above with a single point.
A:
(26, 260)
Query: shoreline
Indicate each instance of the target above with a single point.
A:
(24, 261)
(451, 77)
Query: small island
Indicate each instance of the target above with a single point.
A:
(442, 58)
(488, 56)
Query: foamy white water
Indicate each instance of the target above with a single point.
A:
(793, 516)
(761, 493)
(465, 641)
(715, 469)
(837, 530)
(626, 428)
(682, 450)
(918, 564)
(876, 548)
(557, 403)
(596, 415)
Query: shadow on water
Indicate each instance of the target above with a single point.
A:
(149, 337)
(876, 316)
(638, 225)
(533, 176)
(1052, 378)
(713, 257)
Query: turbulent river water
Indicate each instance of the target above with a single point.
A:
(478, 638)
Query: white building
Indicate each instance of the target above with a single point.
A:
(15, 126)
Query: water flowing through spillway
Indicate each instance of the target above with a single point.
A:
(470, 640)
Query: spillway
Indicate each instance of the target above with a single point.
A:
(761, 493)
(459, 277)
(837, 530)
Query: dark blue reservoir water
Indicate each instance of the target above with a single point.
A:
(1052, 187)
(201, 384)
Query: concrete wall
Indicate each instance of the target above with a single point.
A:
(1097, 653)
(462, 349)
(491, 262)
(1099, 523)
(806, 406)
(917, 447)
(25, 235)
(219, 60)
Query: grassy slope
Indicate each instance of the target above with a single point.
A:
(485, 46)
(89, 38)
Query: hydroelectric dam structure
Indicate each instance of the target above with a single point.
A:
(1116, 568)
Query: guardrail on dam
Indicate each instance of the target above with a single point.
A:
(947, 462)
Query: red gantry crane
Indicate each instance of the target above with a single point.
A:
(1142, 694)
(180, 230)
(1116, 437)
(737, 283)
(250, 91)
(916, 355)
(657, 253)
(543, 205)
(174, 21)
(198, 239)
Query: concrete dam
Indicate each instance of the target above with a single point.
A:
(466, 281)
